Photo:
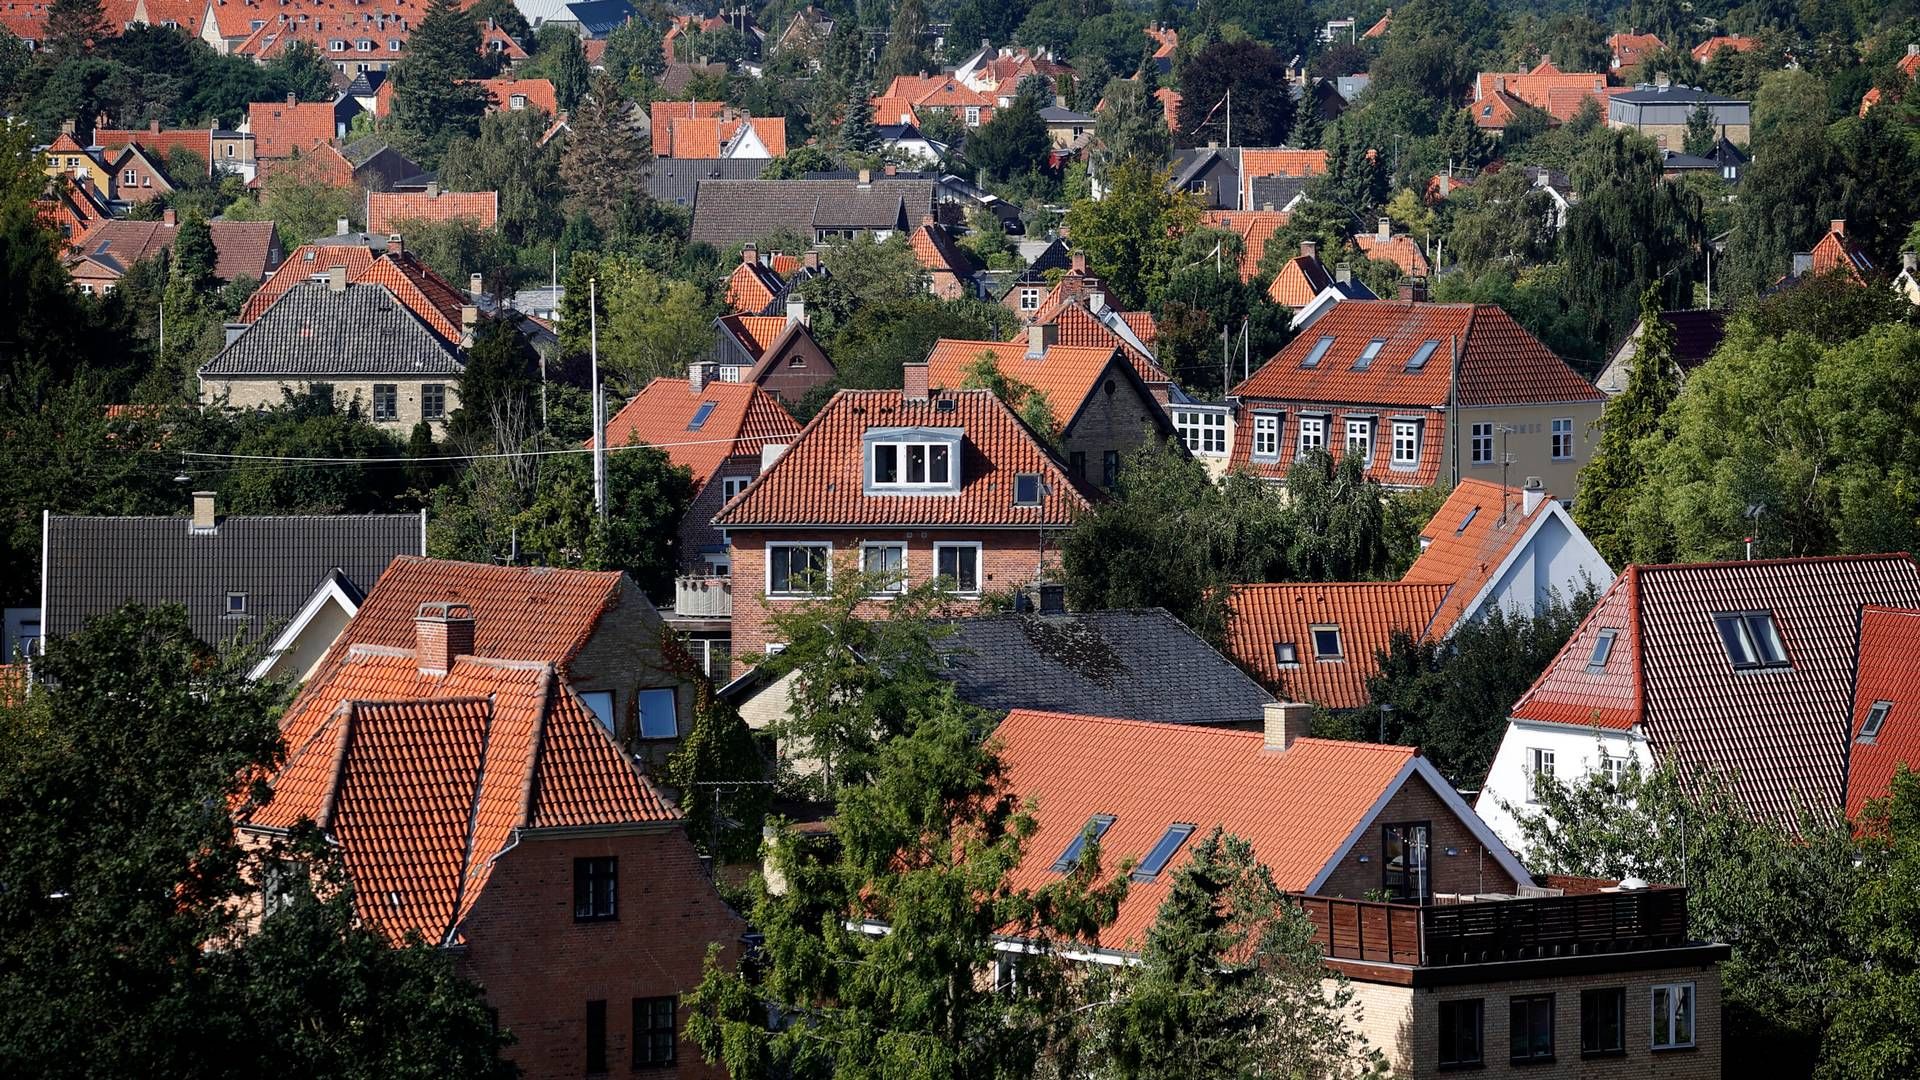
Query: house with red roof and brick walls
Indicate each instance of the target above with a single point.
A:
(1454, 953)
(1487, 548)
(1498, 97)
(476, 800)
(386, 210)
(1754, 670)
(926, 484)
(243, 249)
(777, 353)
(1423, 393)
(1099, 407)
(1837, 252)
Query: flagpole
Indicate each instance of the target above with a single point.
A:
(599, 404)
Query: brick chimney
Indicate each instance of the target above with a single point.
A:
(433, 190)
(394, 244)
(442, 632)
(1040, 338)
(169, 218)
(293, 98)
(1285, 723)
(697, 376)
(204, 519)
(476, 284)
(914, 386)
(1080, 262)
(1838, 226)
(749, 255)
(153, 127)
(811, 260)
(1310, 249)
(1413, 290)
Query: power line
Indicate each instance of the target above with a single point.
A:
(437, 459)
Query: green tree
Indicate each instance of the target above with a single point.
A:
(507, 157)
(861, 273)
(1880, 986)
(905, 52)
(857, 134)
(1012, 144)
(873, 344)
(303, 202)
(1027, 403)
(606, 158)
(496, 391)
(569, 73)
(927, 848)
(634, 53)
(1339, 520)
(1262, 103)
(654, 325)
(722, 779)
(75, 27)
(431, 105)
(126, 948)
(1629, 438)
(1131, 128)
(1132, 236)
(1701, 135)
(647, 495)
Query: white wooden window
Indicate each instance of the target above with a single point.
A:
(1539, 766)
(1203, 430)
(733, 485)
(1313, 434)
(798, 569)
(1406, 444)
(912, 464)
(1563, 438)
(959, 565)
(1360, 440)
(887, 557)
(1266, 436)
(1482, 449)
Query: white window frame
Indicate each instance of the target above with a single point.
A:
(1339, 640)
(516, 101)
(1365, 429)
(1676, 992)
(1266, 436)
(1029, 299)
(973, 116)
(1475, 434)
(1312, 436)
(733, 485)
(773, 545)
(1539, 762)
(1614, 768)
(903, 449)
(1204, 431)
(1562, 429)
(979, 572)
(900, 585)
(729, 373)
(1406, 433)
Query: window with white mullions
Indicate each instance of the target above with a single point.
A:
(797, 569)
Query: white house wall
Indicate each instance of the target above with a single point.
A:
(1576, 754)
(1557, 561)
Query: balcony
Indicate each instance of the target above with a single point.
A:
(703, 597)
(1489, 931)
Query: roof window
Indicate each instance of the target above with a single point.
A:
(1163, 851)
(1602, 649)
(1365, 359)
(1286, 653)
(700, 415)
(1319, 350)
(1026, 489)
(1326, 643)
(1472, 513)
(1421, 355)
(1751, 640)
(1096, 827)
(1876, 716)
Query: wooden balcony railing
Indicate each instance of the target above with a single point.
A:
(1488, 931)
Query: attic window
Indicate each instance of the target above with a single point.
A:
(1096, 827)
(1751, 640)
(1876, 716)
(1602, 649)
(700, 415)
(236, 603)
(1026, 489)
(1319, 350)
(1365, 359)
(1163, 852)
(1326, 643)
(1286, 653)
(1421, 355)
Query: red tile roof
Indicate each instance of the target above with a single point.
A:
(307, 262)
(744, 418)
(819, 481)
(1708, 49)
(1839, 251)
(752, 288)
(387, 209)
(241, 248)
(1782, 734)
(755, 333)
(1300, 808)
(1400, 250)
(936, 251)
(1278, 161)
(157, 143)
(1559, 94)
(1468, 539)
(1253, 227)
(423, 778)
(1299, 281)
(496, 40)
(1066, 374)
(424, 292)
(281, 130)
(1074, 325)
(1889, 644)
(537, 93)
(1630, 49)
(1367, 614)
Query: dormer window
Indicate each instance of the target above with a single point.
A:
(913, 460)
(337, 45)
(517, 101)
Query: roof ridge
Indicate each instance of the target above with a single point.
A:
(1779, 561)
(331, 802)
(1122, 721)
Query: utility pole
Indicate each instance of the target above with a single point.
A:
(599, 403)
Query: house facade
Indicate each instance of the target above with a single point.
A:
(777, 353)
(1660, 113)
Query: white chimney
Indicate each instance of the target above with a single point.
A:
(203, 516)
(1040, 338)
(1385, 231)
(1285, 722)
(476, 285)
(341, 226)
(796, 311)
(1531, 496)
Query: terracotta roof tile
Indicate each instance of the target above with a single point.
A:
(534, 93)
(1297, 807)
(936, 251)
(157, 143)
(1708, 49)
(1467, 540)
(307, 262)
(743, 419)
(1839, 251)
(1366, 613)
(241, 248)
(819, 481)
(1066, 374)
(424, 292)
(244, 249)
(752, 288)
(1299, 281)
(756, 332)
(1630, 49)
(1889, 654)
(1076, 326)
(782, 264)
(1560, 94)
(281, 130)
(1400, 250)
(387, 209)
(1253, 227)
(1279, 161)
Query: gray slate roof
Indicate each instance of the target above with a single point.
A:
(313, 332)
(96, 564)
(1276, 190)
(728, 212)
(1138, 664)
(677, 180)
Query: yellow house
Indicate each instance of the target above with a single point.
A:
(66, 155)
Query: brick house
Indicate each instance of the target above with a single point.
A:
(1456, 970)
(946, 484)
(475, 800)
(1101, 407)
(1424, 393)
(949, 268)
(777, 353)
(387, 209)
(96, 262)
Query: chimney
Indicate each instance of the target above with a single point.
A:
(203, 518)
(1913, 48)
(811, 260)
(469, 316)
(394, 246)
(1267, 207)
(169, 218)
(1499, 84)
(1413, 290)
(1080, 262)
(1285, 722)
(1343, 273)
(1838, 226)
(1531, 495)
(1662, 79)
(336, 279)
(433, 189)
(293, 98)
(1053, 599)
(1096, 300)
(866, 177)
(1213, 144)
(1040, 338)
(1384, 232)
(796, 311)
(1310, 249)
(442, 632)
(153, 127)
(66, 127)
(697, 377)
(341, 226)
(234, 330)
(1546, 58)
(749, 255)
(914, 382)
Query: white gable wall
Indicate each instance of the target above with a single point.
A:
(1576, 754)
(1555, 560)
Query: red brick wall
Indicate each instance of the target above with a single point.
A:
(145, 187)
(696, 529)
(540, 968)
(790, 383)
(1466, 872)
(1008, 557)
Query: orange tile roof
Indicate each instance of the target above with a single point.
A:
(423, 778)
(424, 292)
(1630, 49)
(1367, 614)
(1708, 49)
(935, 250)
(320, 165)
(1169, 99)
(1066, 374)
(1379, 29)
(1889, 641)
(756, 332)
(1253, 227)
(661, 114)
(157, 143)
(1299, 807)
(1838, 251)
(1909, 65)
(1073, 324)
(499, 41)
(1256, 162)
(538, 93)
(694, 137)
(782, 264)
(1400, 250)
(307, 262)
(772, 131)
(1560, 94)
(280, 130)
(1299, 281)
(819, 481)
(752, 287)
(386, 209)
(744, 418)
(1468, 539)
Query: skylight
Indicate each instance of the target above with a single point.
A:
(1326, 642)
(1422, 355)
(1319, 350)
(1367, 354)
(1096, 827)
(1876, 716)
(1285, 653)
(700, 417)
(1602, 649)
(1472, 513)
(1163, 852)
(1751, 640)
